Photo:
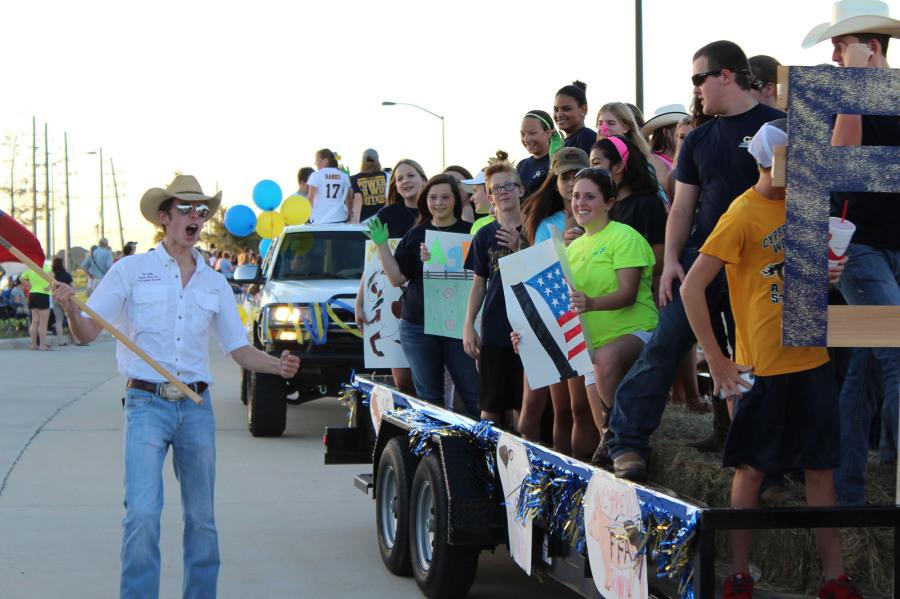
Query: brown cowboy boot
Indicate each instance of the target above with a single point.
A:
(716, 439)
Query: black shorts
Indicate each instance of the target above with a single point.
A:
(787, 421)
(500, 379)
(38, 301)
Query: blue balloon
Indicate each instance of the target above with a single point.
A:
(240, 220)
(264, 246)
(267, 194)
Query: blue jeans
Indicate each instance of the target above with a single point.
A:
(428, 355)
(152, 424)
(871, 278)
(641, 396)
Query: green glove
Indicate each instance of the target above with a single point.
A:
(378, 231)
(556, 142)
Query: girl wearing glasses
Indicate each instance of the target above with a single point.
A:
(440, 209)
(612, 269)
(569, 111)
(499, 366)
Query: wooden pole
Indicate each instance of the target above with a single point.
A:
(103, 323)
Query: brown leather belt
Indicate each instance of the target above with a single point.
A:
(166, 391)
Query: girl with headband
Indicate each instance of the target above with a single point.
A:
(541, 139)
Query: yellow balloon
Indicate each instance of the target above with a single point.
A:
(269, 224)
(243, 314)
(301, 244)
(296, 210)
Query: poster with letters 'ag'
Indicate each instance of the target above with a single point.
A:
(553, 347)
(446, 283)
(381, 311)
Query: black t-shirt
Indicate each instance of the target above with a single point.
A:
(584, 138)
(645, 214)
(484, 259)
(409, 259)
(399, 219)
(876, 215)
(714, 156)
(371, 185)
(532, 171)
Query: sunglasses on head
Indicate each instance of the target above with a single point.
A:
(592, 170)
(202, 210)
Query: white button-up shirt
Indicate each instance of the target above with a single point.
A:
(143, 296)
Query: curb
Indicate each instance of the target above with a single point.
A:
(25, 342)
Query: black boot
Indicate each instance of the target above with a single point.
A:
(716, 439)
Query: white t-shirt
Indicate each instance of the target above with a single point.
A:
(329, 205)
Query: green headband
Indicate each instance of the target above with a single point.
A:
(556, 139)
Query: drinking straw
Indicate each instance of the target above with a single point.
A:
(844, 213)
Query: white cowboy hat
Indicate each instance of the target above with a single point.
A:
(854, 16)
(182, 187)
(663, 117)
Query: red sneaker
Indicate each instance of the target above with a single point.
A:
(738, 586)
(839, 588)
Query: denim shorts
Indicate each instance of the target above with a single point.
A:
(787, 421)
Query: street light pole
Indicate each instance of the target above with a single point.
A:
(68, 219)
(434, 114)
(112, 167)
(49, 247)
(102, 227)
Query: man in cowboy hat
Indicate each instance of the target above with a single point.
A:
(167, 301)
(859, 32)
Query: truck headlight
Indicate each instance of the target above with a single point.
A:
(286, 314)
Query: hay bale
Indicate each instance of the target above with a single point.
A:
(788, 559)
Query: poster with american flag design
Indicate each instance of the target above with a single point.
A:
(553, 346)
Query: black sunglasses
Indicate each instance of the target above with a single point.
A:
(185, 209)
(699, 78)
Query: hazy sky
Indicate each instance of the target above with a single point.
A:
(237, 92)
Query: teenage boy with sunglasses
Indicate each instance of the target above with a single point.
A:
(713, 169)
(168, 301)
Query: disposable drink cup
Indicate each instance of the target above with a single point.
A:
(839, 235)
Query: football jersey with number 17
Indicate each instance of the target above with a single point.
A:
(329, 205)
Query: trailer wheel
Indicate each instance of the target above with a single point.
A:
(395, 471)
(266, 405)
(441, 570)
(245, 385)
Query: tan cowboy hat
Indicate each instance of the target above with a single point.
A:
(182, 187)
(854, 16)
(663, 117)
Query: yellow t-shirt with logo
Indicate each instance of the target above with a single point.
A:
(749, 238)
(594, 260)
(38, 284)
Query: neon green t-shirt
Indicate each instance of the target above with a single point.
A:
(594, 261)
(38, 284)
(480, 222)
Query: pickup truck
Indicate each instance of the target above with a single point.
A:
(302, 299)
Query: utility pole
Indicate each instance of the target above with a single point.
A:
(68, 221)
(112, 167)
(12, 178)
(33, 176)
(102, 227)
(639, 54)
(48, 248)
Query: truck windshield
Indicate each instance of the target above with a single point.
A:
(320, 255)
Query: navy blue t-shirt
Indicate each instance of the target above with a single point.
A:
(533, 171)
(409, 258)
(714, 157)
(484, 259)
(645, 214)
(399, 219)
(876, 215)
(584, 138)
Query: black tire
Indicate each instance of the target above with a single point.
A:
(393, 481)
(245, 385)
(441, 570)
(266, 405)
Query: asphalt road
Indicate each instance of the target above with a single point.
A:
(288, 525)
